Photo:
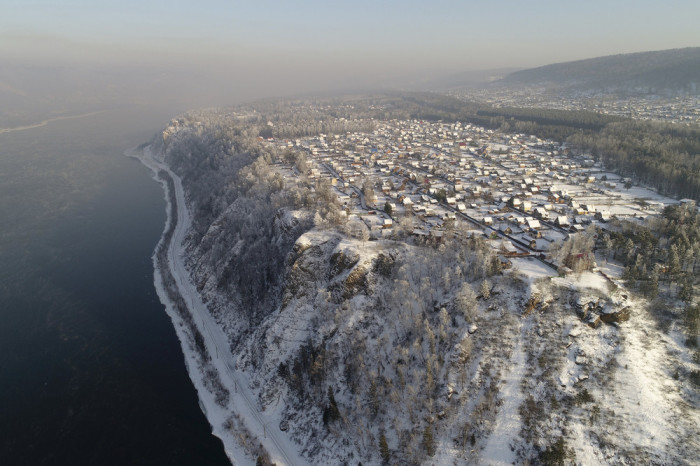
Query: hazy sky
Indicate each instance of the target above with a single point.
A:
(322, 42)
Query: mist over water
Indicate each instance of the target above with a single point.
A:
(91, 371)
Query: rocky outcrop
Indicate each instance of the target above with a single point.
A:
(594, 311)
(610, 315)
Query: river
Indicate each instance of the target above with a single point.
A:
(91, 371)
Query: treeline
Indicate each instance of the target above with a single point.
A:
(661, 155)
(551, 117)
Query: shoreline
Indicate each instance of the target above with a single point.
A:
(231, 412)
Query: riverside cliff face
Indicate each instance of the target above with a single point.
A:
(397, 350)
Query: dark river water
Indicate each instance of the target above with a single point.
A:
(91, 371)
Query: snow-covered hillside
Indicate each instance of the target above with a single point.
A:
(341, 350)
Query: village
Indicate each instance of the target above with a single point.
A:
(427, 179)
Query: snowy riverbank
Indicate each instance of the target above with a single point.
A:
(223, 391)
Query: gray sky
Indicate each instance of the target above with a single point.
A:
(261, 47)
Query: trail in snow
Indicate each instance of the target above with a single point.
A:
(508, 422)
(262, 425)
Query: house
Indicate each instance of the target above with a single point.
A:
(561, 221)
(533, 224)
(508, 248)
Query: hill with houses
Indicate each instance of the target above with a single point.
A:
(405, 290)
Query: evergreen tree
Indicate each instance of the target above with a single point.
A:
(556, 454)
(373, 397)
(685, 292)
(331, 412)
(384, 449)
(428, 440)
(674, 263)
(466, 302)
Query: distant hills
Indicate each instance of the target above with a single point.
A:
(675, 71)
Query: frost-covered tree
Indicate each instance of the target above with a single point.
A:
(358, 230)
(485, 289)
(444, 323)
(465, 301)
(576, 252)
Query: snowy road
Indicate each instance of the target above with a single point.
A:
(265, 428)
